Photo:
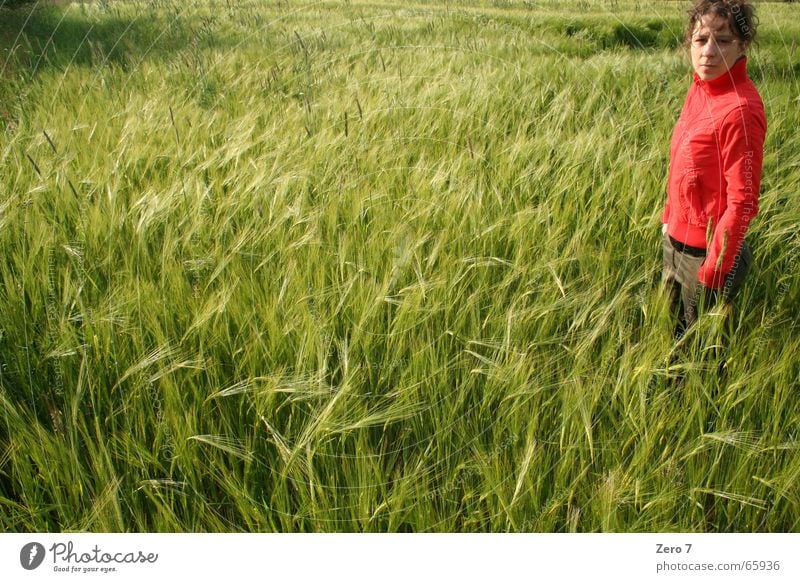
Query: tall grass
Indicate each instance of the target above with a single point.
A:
(377, 267)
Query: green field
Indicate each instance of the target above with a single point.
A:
(378, 266)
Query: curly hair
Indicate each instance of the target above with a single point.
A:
(740, 15)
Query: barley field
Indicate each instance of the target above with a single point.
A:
(378, 266)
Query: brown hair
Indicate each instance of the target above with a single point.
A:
(740, 15)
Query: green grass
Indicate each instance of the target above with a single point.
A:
(371, 266)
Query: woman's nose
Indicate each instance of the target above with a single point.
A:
(710, 49)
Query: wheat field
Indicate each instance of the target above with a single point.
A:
(378, 266)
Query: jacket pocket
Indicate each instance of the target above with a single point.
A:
(691, 199)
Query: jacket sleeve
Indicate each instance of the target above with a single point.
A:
(741, 139)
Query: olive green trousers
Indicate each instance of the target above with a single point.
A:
(687, 293)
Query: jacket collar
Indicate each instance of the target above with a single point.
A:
(726, 81)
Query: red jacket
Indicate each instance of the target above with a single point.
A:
(715, 169)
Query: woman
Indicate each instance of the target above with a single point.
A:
(715, 162)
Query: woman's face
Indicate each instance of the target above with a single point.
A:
(714, 47)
